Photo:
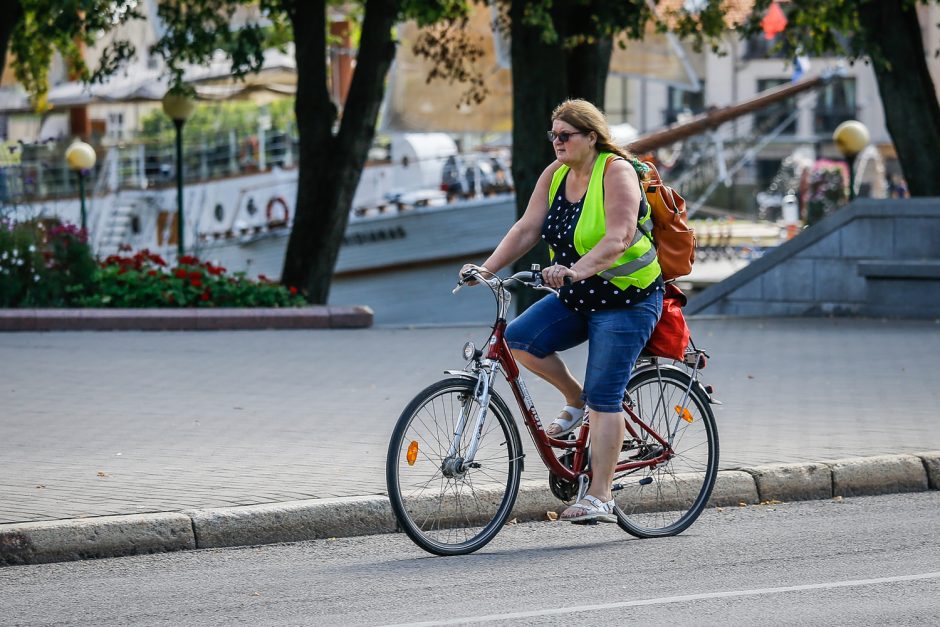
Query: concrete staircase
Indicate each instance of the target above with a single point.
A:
(874, 258)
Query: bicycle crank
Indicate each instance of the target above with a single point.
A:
(620, 486)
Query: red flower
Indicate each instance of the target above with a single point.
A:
(195, 282)
(205, 295)
(180, 273)
(195, 275)
(188, 260)
(293, 290)
(152, 273)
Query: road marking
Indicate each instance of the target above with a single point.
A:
(676, 599)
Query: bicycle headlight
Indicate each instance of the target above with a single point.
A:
(469, 351)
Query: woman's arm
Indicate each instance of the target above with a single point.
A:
(621, 210)
(525, 233)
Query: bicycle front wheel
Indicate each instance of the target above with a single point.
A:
(663, 500)
(447, 506)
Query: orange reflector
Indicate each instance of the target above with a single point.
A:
(684, 413)
(412, 453)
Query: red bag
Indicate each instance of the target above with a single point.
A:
(671, 335)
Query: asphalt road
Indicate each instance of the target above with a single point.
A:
(860, 561)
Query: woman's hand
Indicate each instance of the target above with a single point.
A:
(554, 276)
(467, 267)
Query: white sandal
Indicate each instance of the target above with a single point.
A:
(593, 509)
(569, 424)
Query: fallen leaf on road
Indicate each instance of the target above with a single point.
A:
(513, 521)
(720, 509)
(771, 502)
(552, 515)
(837, 499)
(102, 474)
(40, 486)
(750, 376)
(742, 504)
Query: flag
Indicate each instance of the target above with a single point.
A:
(774, 22)
(800, 67)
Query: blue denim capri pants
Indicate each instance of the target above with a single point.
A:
(615, 339)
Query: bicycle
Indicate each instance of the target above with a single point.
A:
(455, 457)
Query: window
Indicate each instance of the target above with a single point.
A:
(836, 104)
(766, 172)
(116, 125)
(683, 101)
(759, 47)
(770, 117)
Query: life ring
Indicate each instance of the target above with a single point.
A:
(277, 201)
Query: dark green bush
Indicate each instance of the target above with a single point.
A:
(43, 264)
(144, 280)
(51, 265)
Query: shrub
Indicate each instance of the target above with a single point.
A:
(46, 264)
(43, 264)
(144, 280)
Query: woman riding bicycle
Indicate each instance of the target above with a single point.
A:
(587, 206)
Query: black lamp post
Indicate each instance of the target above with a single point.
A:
(851, 137)
(81, 158)
(178, 105)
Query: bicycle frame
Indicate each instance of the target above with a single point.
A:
(499, 357)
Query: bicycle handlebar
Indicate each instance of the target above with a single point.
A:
(529, 278)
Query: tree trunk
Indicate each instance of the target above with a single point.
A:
(912, 113)
(551, 74)
(13, 13)
(329, 166)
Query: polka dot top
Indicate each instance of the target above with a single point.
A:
(593, 293)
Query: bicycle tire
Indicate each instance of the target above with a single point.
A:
(462, 516)
(665, 500)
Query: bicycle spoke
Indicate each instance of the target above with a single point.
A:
(445, 507)
(666, 499)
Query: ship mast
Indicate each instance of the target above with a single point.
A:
(716, 116)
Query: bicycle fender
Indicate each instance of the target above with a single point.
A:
(697, 384)
(462, 373)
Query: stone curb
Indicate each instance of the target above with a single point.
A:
(113, 536)
(83, 538)
(312, 317)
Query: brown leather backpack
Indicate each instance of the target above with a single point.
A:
(674, 239)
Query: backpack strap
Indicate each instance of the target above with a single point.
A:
(641, 171)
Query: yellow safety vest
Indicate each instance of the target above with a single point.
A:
(637, 266)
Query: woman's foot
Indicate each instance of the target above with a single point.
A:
(590, 509)
(567, 421)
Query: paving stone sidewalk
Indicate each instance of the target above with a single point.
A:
(103, 423)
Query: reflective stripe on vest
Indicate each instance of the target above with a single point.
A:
(637, 266)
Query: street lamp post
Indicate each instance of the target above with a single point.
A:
(81, 158)
(851, 137)
(178, 106)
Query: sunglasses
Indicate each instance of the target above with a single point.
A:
(564, 136)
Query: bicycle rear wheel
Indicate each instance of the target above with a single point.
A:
(665, 499)
(444, 508)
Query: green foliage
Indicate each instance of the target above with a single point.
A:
(43, 264)
(827, 28)
(197, 30)
(46, 264)
(66, 26)
(218, 117)
(144, 280)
